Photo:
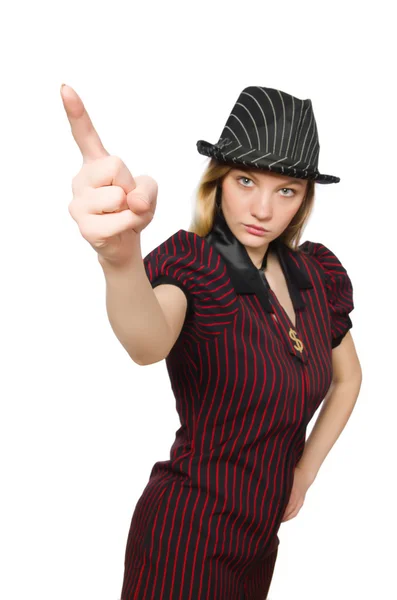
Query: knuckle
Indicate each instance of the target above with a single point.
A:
(86, 230)
(115, 162)
(119, 193)
(79, 181)
(71, 209)
(74, 184)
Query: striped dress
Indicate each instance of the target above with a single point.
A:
(246, 381)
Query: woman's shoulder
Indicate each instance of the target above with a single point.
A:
(180, 241)
(325, 258)
(189, 261)
(190, 248)
(338, 286)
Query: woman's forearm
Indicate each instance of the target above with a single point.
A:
(332, 418)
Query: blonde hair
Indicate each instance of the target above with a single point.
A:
(205, 207)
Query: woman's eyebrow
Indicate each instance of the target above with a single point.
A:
(289, 181)
(293, 181)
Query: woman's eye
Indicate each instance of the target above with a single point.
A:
(290, 189)
(246, 178)
(282, 189)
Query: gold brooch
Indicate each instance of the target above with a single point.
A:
(298, 343)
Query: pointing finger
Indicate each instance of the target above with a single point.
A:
(83, 131)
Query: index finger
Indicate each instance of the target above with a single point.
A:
(83, 131)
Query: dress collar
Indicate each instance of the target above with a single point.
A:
(245, 276)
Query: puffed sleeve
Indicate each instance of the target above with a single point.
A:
(188, 261)
(165, 264)
(339, 289)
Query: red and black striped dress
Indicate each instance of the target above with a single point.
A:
(246, 383)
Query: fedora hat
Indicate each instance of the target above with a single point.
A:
(271, 130)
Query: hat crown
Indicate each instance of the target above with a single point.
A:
(272, 121)
(272, 130)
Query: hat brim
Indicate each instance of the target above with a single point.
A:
(253, 158)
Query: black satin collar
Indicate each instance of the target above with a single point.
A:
(245, 276)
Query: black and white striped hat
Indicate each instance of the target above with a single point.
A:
(272, 130)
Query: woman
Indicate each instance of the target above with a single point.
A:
(255, 332)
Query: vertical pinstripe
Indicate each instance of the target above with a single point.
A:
(205, 526)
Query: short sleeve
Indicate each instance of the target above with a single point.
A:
(188, 261)
(339, 289)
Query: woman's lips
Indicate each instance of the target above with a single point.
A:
(255, 230)
(257, 227)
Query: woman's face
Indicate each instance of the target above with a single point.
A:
(261, 198)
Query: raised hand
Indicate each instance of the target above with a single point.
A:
(110, 206)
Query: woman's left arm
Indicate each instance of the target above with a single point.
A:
(334, 414)
(336, 408)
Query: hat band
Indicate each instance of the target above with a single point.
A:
(235, 152)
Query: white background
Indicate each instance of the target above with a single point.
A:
(81, 424)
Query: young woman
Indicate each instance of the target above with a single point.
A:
(254, 327)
